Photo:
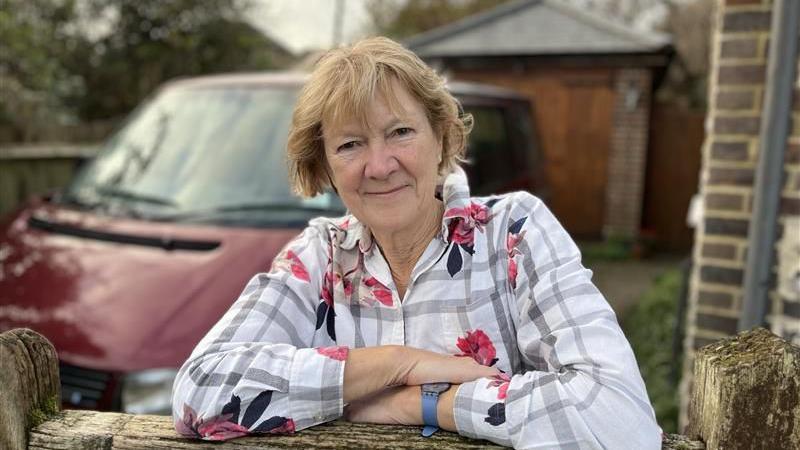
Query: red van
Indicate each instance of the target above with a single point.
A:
(128, 267)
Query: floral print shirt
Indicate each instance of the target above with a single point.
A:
(501, 283)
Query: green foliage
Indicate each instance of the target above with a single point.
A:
(405, 18)
(97, 59)
(34, 34)
(614, 248)
(155, 40)
(649, 327)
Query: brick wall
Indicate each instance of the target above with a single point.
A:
(730, 155)
(626, 162)
(786, 301)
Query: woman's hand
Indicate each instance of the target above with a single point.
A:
(370, 370)
(401, 405)
(421, 366)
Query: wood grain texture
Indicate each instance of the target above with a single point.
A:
(96, 430)
(92, 430)
(747, 393)
(29, 385)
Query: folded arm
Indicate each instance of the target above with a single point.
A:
(582, 387)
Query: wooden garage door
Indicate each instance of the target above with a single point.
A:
(574, 113)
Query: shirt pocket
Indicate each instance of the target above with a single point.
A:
(473, 327)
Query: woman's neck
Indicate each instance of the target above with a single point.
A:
(402, 249)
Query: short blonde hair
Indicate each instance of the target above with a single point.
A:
(343, 83)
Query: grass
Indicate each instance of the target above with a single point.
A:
(649, 327)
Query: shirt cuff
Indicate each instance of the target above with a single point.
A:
(316, 387)
(479, 409)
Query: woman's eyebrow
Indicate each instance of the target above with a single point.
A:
(398, 121)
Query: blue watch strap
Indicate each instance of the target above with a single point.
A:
(429, 401)
(427, 430)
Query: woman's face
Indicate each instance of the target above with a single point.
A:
(386, 172)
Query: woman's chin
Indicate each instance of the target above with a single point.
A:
(394, 219)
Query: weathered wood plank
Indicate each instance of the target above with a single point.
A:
(91, 429)
(747, 393)
(29, 387)
(96, 430)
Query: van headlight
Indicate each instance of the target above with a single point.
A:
(148, 391)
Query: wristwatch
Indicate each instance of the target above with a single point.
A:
(430, 398)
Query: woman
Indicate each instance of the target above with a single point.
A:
(420, 284)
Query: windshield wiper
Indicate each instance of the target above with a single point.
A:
(243, 207)
(113, 191)
(77, 200)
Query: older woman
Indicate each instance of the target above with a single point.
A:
(424, 306)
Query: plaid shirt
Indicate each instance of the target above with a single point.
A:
(502, 283)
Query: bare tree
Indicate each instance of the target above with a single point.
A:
(690, 24)
(403, 18)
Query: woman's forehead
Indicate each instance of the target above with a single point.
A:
(385, 106)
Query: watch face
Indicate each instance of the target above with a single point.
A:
(437, 388)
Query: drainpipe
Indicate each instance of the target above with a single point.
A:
(769, 173)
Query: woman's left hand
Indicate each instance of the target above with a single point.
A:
(400, 405)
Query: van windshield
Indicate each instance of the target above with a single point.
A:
(190, 152)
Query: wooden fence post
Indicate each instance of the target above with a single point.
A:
(29, 386)
(747, 393)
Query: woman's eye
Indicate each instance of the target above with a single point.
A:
(402, 131)
(347, 146)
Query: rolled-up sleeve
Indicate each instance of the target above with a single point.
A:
(581, 387)
(257, 370)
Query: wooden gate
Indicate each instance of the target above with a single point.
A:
(671, 179)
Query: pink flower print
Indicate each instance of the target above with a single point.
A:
(501, 382)
(297, 266)
(512, 241)
(186, 426)
(464, 221)
(379, 291)
(339, 353)
(478, 346)
(480, 213)
(512, 273)
(216, 428)
(221, 428)
(345, 224)
(288, 260)
(502, 392)
(347, 284)
(461, 232)
(327, 286)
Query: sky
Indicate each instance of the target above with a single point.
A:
(302, 25)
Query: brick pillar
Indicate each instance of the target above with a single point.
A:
(730, 155)
(626, 161)
(786, 302)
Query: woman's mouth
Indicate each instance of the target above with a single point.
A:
(386, 192)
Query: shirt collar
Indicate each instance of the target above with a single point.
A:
(455, 196)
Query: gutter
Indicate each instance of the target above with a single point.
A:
(775, 123)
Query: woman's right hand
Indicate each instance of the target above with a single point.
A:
(421, 366)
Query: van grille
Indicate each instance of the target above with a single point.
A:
(82, 388)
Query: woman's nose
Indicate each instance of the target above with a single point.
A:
(381, 161)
